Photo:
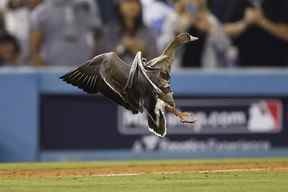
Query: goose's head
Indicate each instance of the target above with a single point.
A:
(185, 38)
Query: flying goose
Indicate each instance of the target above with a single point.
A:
(143, 86)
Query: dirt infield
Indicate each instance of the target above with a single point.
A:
(153, 168)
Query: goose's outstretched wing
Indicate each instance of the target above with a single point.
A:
(85, 77)
(105, 73)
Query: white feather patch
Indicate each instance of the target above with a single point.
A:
(159, 108)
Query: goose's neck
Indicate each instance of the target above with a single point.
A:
(174, 44)
(170, 49)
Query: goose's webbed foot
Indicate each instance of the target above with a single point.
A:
(185, 117)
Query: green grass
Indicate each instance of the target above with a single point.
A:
(69, 165)
(206, 182)
(238, 181)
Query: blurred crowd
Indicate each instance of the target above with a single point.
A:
(232, 33)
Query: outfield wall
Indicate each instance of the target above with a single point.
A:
(42, 118)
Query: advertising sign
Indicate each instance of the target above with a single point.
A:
(77, 122)
(214, 116)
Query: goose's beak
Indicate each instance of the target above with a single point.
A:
(192, 38)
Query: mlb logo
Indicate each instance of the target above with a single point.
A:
(265, 116)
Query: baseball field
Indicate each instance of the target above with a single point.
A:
(231, 175)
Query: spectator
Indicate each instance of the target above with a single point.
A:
(106, 10)
(62, 32)
(174, 23)
(9, 50)
(129, 34)
(260, 31)
(2, 21)
(193, 16)
(154, 13)
(32, 4)
(17, 19)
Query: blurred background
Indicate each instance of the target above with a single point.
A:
(233, 79)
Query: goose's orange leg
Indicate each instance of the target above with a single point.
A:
(182, 115)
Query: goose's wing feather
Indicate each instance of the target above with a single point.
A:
(152, 64)
(105, 73)
(85, 77)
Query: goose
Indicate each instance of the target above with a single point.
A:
(143, 86)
